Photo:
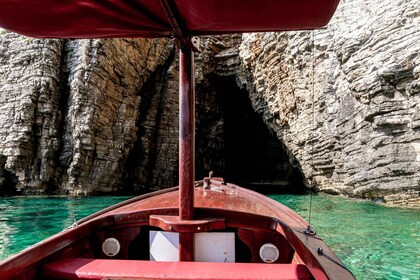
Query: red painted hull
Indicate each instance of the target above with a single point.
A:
(254, 218)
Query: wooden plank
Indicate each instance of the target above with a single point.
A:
(173, 223)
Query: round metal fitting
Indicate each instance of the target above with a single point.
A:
(111, 247)
(269, 253)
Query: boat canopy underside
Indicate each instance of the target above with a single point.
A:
(148, 18)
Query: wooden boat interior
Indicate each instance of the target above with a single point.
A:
(248, 223)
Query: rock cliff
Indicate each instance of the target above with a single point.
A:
(101, 116)
(336, 109)
(69, 110)
(345, 100)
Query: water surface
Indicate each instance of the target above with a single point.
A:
(374, 241)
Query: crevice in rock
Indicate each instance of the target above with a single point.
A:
(254, 156)
(62, 156)
(209, 138)
(8, 180)
(8, 183)
(141, 162)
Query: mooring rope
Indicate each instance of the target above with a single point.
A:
(320, 252)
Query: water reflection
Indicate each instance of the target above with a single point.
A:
(6, 228)
(5, 232)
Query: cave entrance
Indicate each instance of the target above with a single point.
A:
(8, 180)
(254, 156)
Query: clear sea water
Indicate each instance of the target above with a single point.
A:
(374, 241)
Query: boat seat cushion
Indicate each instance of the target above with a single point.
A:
(78, 268)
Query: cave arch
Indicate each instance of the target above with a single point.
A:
(254, 156)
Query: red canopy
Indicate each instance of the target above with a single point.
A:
(148, 18)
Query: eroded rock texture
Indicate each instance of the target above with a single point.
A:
(336, 109)
(69, 110)
(346, 100)
(102, 116)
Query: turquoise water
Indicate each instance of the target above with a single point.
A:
(374, 241)
(27, 220)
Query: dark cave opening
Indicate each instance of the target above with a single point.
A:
(8, 180)
(231, 139)
(254, 157)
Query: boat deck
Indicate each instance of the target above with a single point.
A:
(252, 219)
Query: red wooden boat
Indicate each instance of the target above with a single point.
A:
(202, 230)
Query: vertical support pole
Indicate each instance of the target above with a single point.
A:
(186, 134)
(186, 148)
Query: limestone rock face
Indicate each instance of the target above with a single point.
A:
(99, 116)
(69, 110)
(345, 100)
(153, 161)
